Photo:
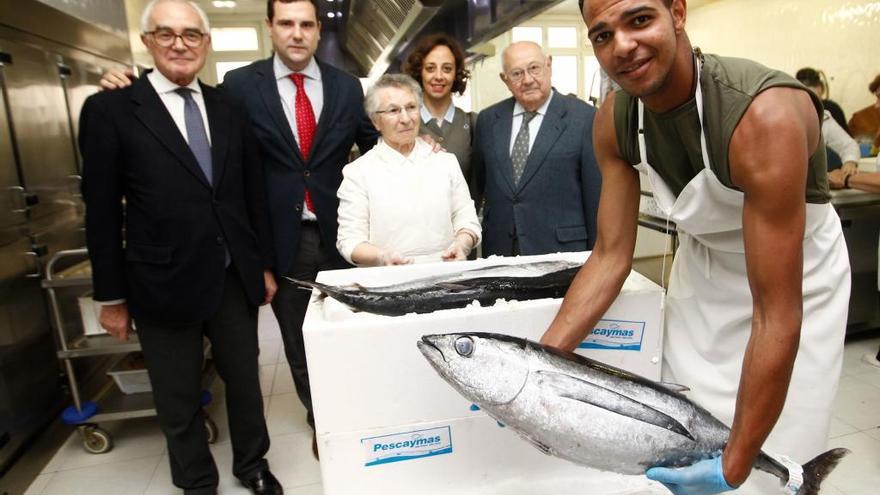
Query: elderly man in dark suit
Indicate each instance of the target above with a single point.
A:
(179, 242)
(307, 116)
(535, 165)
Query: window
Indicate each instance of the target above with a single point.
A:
(592, 78)
(528, 33)
(562, 37)
(234, 39)
(565, 74)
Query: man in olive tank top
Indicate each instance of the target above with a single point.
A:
(757, 300)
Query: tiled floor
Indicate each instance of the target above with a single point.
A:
(138, 464)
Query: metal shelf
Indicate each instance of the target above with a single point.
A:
(99, 345)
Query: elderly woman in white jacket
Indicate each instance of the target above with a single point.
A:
(401, 202)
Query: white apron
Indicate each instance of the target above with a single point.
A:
(709, 309)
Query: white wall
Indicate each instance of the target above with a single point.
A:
(841, 37)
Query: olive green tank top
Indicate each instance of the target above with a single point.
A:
(673, 137)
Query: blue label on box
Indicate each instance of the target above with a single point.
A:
(618, 335)
(407, 446)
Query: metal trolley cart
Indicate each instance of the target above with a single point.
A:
(110, 403)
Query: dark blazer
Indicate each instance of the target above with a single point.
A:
(342, 123)
(554, 206)
(164, 251)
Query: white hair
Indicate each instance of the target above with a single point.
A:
(148, 10)
(520, 43)
(400, 81)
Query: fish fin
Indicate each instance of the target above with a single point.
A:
(674, 387)
(595, 395)
(538, 445)
(818, 469)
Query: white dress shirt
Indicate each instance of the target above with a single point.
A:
(838, 140)
(174, 102)
(287, 92)
(534, 124)
(410, 204)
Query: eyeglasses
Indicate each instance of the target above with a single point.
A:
(165, 37)
(396, 112)
(535, 69)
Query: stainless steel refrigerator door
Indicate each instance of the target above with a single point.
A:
(41, 128)
(12, 202)
(23, 312)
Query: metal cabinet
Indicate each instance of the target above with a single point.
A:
(40, 128)
(861, 228)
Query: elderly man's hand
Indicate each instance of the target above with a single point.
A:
(271, 286)
(116, 79)
(836, 178)
(435, 146)
(116, 320)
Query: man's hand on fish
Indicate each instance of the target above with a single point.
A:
(702, 478)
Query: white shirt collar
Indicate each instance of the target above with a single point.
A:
(542, 110)
(391, 156)
(427, 117)
(163, 85)
(311, 71)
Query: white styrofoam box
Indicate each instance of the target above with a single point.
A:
(472, 456)
(366, 371)
(89, 312)
(131, 381)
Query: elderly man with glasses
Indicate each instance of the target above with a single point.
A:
(401, 202)
(535, 165)
(180, 244)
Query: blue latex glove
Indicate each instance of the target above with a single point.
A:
(702, 478)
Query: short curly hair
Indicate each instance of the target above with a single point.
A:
(875, 85)
(413, 64)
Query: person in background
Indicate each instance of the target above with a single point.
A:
(535, 167)
(179, 242)
(865, 123)
(401, 202)
(437, 64)
(816, 82)
(843, 150)
(307, 115)
(756, 309)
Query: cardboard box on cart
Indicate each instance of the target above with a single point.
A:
(385, 420)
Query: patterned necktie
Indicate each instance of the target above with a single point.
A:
(520, 152)
(305, 124)
(197, 136)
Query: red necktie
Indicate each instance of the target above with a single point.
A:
(305, 124)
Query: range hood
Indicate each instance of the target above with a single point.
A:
(376, 31)
(377, 34)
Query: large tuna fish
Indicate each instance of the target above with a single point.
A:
(589, 413)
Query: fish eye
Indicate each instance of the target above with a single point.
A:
(464, 346)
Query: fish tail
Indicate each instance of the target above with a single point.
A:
(818, 469)
(309, 285)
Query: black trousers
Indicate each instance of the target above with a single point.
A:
(290, 304)
(174, 355)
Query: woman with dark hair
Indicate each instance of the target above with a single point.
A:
(437, 64)
(816, 82)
